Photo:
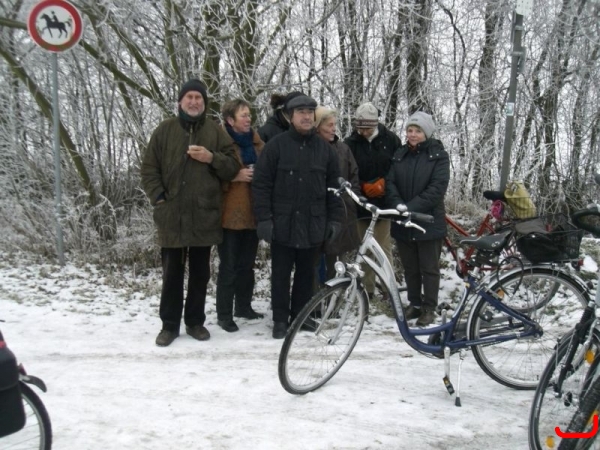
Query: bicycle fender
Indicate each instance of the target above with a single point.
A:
(30, 379)
(541, 268)
(335, 281)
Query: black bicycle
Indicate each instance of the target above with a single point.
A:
(566, 395)
(24, 421)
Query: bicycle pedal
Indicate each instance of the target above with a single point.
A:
(448, 385)
(487, 316)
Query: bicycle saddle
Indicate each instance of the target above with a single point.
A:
(489, 243)
(494, 195)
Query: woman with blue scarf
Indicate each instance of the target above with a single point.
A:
(235, 282)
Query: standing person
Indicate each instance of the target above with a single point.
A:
(295, 212)
(347, 240)
(418, 181)
(373, 146)
(237, 252)
(186, 160)
(279, 121)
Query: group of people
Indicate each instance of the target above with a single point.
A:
(231, 186)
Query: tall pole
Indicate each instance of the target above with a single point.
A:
(518, 56)
(57, 178)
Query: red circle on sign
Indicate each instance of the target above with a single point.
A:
(76, 25)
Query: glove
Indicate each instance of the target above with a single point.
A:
(332, 231)
(264, 230)
(375, 188)
(401, 207)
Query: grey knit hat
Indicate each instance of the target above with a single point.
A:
(422, 120)
(367, 116)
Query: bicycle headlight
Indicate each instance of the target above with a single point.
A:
(340, 267)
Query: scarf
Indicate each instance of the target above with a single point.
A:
(188, 121)
(244, 140)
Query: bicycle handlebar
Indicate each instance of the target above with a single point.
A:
(407, 216)
(579, 215)
(590, 211)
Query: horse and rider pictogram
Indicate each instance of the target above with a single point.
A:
(54, 23)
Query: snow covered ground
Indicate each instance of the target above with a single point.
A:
(91, 339)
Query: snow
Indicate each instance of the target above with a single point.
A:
(89, 334)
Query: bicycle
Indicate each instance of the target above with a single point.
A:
(561, 399)
(503, 324)
(29, 423)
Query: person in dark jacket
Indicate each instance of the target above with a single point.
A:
(295, 212)
(185, 162)
(279, 121)
(417, 181)
(373, 146)
(237, 252)
(347, 240)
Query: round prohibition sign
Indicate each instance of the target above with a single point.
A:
(55, 25)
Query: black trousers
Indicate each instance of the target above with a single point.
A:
(283, 260)
(171, 298)
(236, 272)
(421, 262)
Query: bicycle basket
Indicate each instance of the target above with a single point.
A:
(548, 238)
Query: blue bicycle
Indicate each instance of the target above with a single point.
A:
(512, 326)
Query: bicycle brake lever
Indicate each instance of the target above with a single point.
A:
(410, 224)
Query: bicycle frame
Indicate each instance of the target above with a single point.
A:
(371, 253)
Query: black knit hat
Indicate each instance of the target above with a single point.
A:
(193, 85)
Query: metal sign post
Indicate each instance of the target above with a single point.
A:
(522, 8)
(55, 25)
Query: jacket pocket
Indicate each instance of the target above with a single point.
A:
(282, 222)
(317, 223)
(318, 181)
(164, 216)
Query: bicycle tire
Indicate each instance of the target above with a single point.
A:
(542, 294)
(321, 338)
(551, 408)
(37, 433)
(582, 419)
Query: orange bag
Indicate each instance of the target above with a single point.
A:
(374, 189)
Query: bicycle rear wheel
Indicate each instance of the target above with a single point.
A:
(546, 296)
(322, 337)
(583, 420)
(554, 405)
(37, 433)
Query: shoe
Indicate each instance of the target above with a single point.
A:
(427, 317)
(249, 314)
(279, 330)
(412, 313)
(228, 325)
(309, 324)
(385, 297)
(166, 337)
(198, 332)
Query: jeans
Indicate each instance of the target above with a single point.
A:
(171, 298)
(421, 261)
(236, 272)
(283, 260)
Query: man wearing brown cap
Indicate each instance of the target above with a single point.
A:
(373, 146)
(294, 210)
(186, 159)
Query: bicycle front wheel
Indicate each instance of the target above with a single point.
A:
(550, 298)
(322, 337)
(37, 433)
(555, 400)
(583, 421)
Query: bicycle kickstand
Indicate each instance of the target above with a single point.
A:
(446, 378)
(462, 354)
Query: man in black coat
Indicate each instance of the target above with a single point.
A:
(418, 181)
(294, 210)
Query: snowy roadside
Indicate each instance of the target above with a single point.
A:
(91, 339)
